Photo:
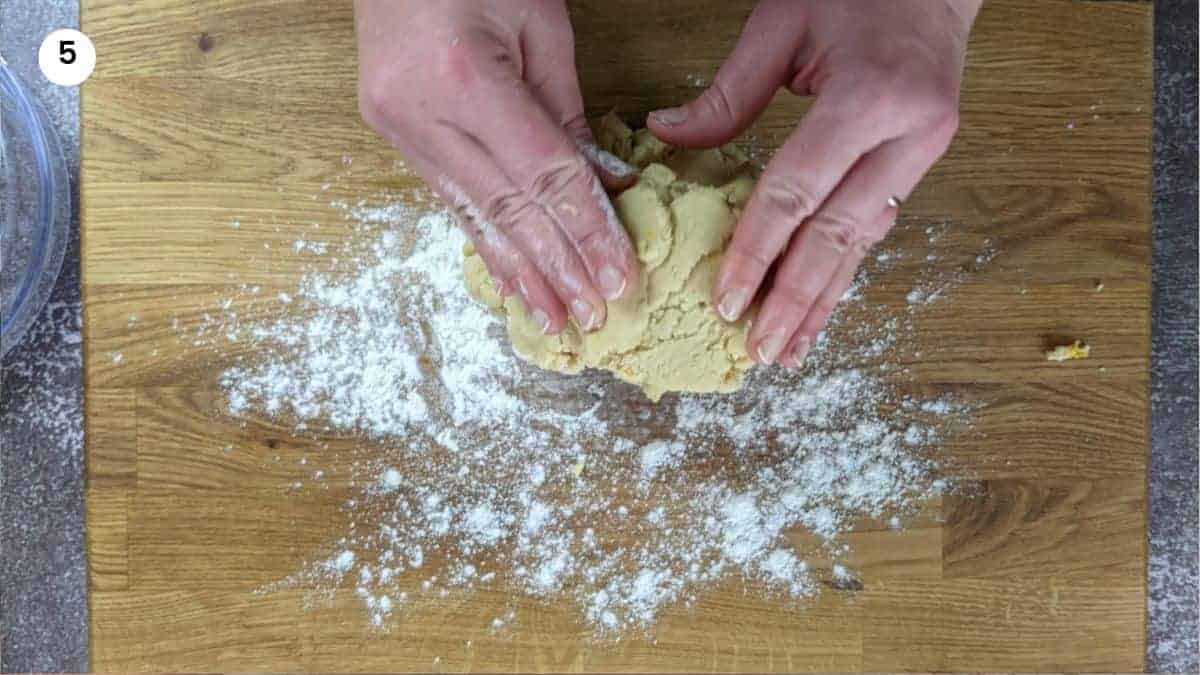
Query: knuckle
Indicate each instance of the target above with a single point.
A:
(595, 242)
(505, 209)
(576, 127)
(455, 63)
(922, 99)
(844, 232)
(542, 85)
(377, 101)
(749, 254)
(717, 102)
(787, 198)
(909, 93)
(469, 217)
(551, 183)
(936, 106)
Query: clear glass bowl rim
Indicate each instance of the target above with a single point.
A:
(53, 211)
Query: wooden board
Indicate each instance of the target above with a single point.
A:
(206, 111)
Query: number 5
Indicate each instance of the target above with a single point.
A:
(66, 51)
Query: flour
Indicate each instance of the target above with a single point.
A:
(391, 479)
(564, 488)
(655, 456)
(933, 283)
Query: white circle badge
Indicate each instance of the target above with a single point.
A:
(67, 57)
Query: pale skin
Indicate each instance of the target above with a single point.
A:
(482, 99)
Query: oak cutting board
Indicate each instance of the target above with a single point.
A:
(205, 111)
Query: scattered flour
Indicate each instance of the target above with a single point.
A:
(480, 470)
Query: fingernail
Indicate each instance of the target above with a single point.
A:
(542, 320)
(613, 164)
(584, 313)
(604, 159)
(769, 348)
(670, 116)
(611, 282)
(801, 351)
(732, 304)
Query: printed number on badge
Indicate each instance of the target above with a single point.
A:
(67, 57)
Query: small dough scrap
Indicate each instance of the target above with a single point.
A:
(1071, 352)
(665, 336)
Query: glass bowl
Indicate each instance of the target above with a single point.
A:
(35, 209)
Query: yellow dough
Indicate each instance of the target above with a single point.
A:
(666, 335)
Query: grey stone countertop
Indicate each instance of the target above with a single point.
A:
(1173, 621)
(43, 570)
(43, 573)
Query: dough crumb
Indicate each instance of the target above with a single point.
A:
(1071, 352)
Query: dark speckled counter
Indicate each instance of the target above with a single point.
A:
(43, 572)
(1174, 583)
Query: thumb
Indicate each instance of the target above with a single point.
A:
(761, 62)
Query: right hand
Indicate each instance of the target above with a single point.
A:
(483, 101)
(886, 76)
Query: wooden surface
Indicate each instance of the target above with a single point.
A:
(206, 111)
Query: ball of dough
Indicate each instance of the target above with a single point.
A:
(665, 336)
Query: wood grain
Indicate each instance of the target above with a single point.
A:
(217, 132)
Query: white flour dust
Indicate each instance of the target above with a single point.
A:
(476, 469)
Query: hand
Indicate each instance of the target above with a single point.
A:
(482, 99)
(886, 75)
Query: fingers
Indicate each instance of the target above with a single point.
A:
(614, 173)
(797, 349)
(799, 289)
(549, 248)
(522, 248)
(553, 82)
(806, 170)
(465, 178)
(493, 201)
(821, 260)
(509, 268)
(760, 63)
(554, 187)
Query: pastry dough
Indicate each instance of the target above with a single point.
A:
(665, 336)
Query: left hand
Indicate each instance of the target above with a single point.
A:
(483, 100)
(886, 75)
